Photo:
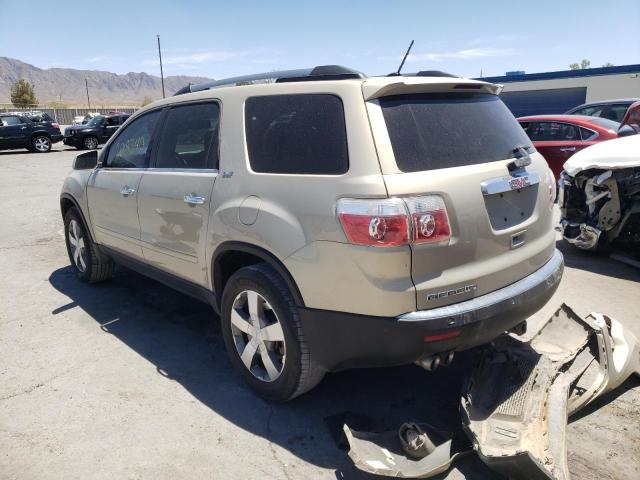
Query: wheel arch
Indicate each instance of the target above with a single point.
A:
(37, 133)
(232, 255)
(67, 202)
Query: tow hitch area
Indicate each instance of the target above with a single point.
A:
(515, 403)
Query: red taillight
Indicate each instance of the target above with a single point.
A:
(429, 219)
(382, 223)
(391, 222)
(55, 125)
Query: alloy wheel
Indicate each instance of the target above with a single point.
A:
(91, 143)
(42, 144)
(258, 335)
(77, 245)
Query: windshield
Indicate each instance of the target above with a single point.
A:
(442, 130)
(95, 121)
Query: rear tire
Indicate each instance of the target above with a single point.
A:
(89, 263)
(41, 144)
(280, 364)
(89, 143)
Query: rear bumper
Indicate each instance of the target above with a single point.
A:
(339, 340)
(55, 138)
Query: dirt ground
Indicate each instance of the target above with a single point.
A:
(129, 379)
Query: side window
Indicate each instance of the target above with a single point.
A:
(593, 111)
(10, 120)
(297, 134)
(616, 112)
(131, 148)
(552, 132)
(587, 134)
(189, 138)
(112, 121)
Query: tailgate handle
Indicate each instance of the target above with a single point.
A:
(506, 184)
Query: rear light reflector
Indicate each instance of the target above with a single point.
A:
(441, 336)
(429, 219)
(382, 223)
(391, 222)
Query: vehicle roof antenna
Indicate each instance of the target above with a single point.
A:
(404, 59)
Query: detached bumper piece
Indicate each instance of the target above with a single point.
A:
(415, 451)
(516, 403)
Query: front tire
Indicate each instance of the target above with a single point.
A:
(89, 263)
(89, 143)
(263, 335)
(41, 144)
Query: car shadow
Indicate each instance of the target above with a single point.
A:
(596, 262)
(182, 338)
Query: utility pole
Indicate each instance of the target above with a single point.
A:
(86, 84)
(161, 72)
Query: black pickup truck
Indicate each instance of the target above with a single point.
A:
(19, 131)
(95, 132)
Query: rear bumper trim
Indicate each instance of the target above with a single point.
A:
(485, 306)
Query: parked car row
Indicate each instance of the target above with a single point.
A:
(558, 137)
(19, 131)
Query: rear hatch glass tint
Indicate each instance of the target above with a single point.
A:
(440, 130)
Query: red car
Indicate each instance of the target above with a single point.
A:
(557, 137)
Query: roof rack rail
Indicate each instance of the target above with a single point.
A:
(322, 72)
(435, 73)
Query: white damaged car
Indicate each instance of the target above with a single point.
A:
(599, 195)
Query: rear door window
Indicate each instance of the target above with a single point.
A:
(189, 137)
(296, 134)
(553, 132)
(431, 131)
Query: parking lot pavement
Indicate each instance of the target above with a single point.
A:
(129, 379)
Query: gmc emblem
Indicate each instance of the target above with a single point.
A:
(519, 182)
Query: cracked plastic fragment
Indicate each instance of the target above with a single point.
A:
(516, 403)
(383, 454)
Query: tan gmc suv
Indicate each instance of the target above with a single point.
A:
(333, 220)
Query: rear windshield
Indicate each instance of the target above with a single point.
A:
(442, 130)
(605, 123)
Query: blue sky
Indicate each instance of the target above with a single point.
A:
(219, 39)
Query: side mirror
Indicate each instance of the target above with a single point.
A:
(86, 161)
(625, 131)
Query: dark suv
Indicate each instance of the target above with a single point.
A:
(18, 131)
(95, 132)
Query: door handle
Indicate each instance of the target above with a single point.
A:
(127, 190)
(194, 199)
(568, 149)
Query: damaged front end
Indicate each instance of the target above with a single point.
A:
(599, 207)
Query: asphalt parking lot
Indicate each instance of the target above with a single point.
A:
(129, 379)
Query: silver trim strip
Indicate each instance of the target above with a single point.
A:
(548, 274)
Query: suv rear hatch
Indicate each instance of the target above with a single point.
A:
(455, 139)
